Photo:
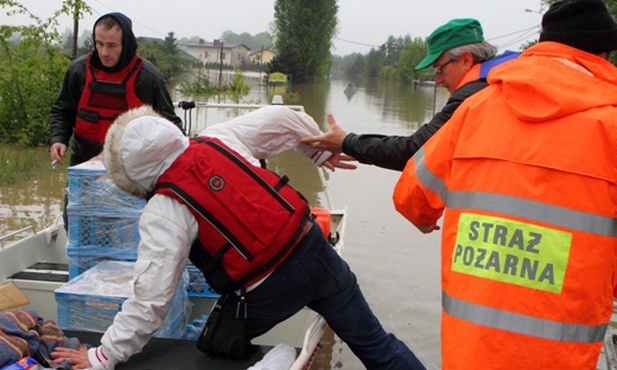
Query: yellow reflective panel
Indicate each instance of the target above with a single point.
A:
(512, 252)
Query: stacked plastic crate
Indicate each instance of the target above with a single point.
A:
(104, 224)
(103, 220)
(103, 237)
(91, 300)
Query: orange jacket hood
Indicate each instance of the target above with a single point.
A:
(584, 81)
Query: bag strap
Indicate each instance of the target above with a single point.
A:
(241, 308)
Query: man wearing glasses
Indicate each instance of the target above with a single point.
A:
(461, 59)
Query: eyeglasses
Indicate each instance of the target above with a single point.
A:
(439, 69)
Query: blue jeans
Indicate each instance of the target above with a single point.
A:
(314, 275)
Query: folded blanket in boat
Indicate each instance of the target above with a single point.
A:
(23, 333)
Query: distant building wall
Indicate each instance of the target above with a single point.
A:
(261, 57)
(210, 52)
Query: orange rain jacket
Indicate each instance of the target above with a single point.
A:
(526, 170)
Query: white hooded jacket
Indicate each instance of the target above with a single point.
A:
(139, 147)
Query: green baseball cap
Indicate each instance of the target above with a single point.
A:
(457, 32)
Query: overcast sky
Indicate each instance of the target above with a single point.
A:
(362, 23)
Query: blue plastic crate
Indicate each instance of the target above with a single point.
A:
(194, 329)
(89, 185)
(90, 301)
(197, 286)
(83, 258)
(103, 227)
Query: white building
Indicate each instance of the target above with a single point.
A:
(214, 52)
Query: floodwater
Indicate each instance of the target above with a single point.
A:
(34, 202)
(398, 267)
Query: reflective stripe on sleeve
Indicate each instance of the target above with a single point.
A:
(427, 178)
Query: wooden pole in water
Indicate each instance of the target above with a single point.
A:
(434, 98)
(221, 66)
(261, 64)
(75, 28)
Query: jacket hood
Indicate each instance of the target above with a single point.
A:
(551, 80)
(129, 43)
(139, 147)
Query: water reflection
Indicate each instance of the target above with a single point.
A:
(303, 176)
(32, 202)
(382, 107)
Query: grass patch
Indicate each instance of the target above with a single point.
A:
(20, 163)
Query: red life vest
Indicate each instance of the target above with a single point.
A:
(249, 218)
(106, 95)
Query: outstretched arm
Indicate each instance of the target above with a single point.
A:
(272, 130)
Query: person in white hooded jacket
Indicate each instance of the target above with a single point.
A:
(148, 156)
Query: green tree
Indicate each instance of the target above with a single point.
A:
(238, 88)
(304, 32)
(30, 77)
(349, 66)
(383, 62)
(410, 58)
(357, 64)
(67, 39)
(393, 48)
(165, 55)
(253, 42)
(88, 44)
(374, 62)
(31, 71)
(85, 42)
(199, 88)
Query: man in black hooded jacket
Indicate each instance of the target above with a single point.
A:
(100, 86)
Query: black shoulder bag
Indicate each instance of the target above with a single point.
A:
(224, 332)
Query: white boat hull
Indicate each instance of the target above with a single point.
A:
(303, 330)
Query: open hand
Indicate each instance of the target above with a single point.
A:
(331, 141)
(77, 357)
(340, 160)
